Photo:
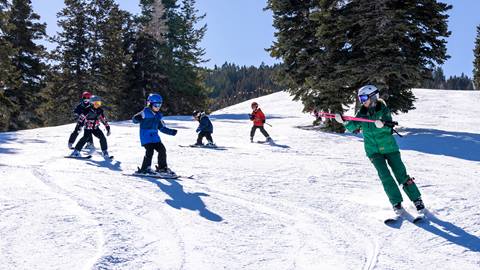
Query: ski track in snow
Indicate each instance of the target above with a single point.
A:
(311, 200)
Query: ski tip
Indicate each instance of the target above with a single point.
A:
(389, 221)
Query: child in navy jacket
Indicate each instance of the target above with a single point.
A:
(205, 128)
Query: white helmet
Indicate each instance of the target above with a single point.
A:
(366, 92)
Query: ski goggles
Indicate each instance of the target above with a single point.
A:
(363, 98)
(157, 104)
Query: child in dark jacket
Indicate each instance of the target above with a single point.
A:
(79, 110)
(205, 129)
(90, 119)
(150, 120)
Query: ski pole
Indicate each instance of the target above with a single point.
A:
(268, 124)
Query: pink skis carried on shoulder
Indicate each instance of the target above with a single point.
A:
(346, 118)
(378, 123)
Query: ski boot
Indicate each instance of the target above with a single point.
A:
(251, 140)
(147, 170)
(165, 172)
(420, 206)
(70, 145)
(89, 145)
(75, 153)
(106, 156)
(269, 140)
(211, 144)
(398, 209)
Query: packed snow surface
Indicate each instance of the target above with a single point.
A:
(311, 200)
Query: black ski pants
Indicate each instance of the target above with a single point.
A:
(202, 134)
(162, 155)
(262, 129)
(75, 133)
(87, 134)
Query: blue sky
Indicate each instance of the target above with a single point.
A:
(239, 30)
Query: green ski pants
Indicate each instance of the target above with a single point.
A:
(391, 188)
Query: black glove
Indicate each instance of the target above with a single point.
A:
(263, 121)
(108, 130)
(138, 117)
(174, 132)
(391, 124)
(251, 116)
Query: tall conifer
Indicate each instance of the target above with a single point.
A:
(476, 61)
(29, 61)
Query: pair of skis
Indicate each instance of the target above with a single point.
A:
(421, 216)
(159, 176)
(215, 147)
(89, 157)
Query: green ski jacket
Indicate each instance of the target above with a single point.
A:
(376, 140)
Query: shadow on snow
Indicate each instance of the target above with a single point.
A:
(10, 137)
(439, 142)
(113, 165)
(450, 232)
(181, 199)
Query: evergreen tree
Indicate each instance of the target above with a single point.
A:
(184, 54)
(8, 72)
(94, 54)
(436, 81)
(29, 61)
(231, 84)
(396, 43)
(459, 83)
(148, 68)
(167, 54)
(476, 62)
(330, 48)
(71, 74)
(109, 56)
(310, 59)
(97, 12)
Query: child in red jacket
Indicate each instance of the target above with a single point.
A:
(258, 119)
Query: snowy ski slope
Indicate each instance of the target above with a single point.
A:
(311, 201)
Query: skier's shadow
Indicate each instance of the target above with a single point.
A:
(113, 165)
(274, 144)
(181, 199)
(280, 145)
(450, 232)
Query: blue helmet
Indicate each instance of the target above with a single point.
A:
(154, 98)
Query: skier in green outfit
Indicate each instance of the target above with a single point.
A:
(382, 149)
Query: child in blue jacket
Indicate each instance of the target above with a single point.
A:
(150, 120)
(205, 128)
